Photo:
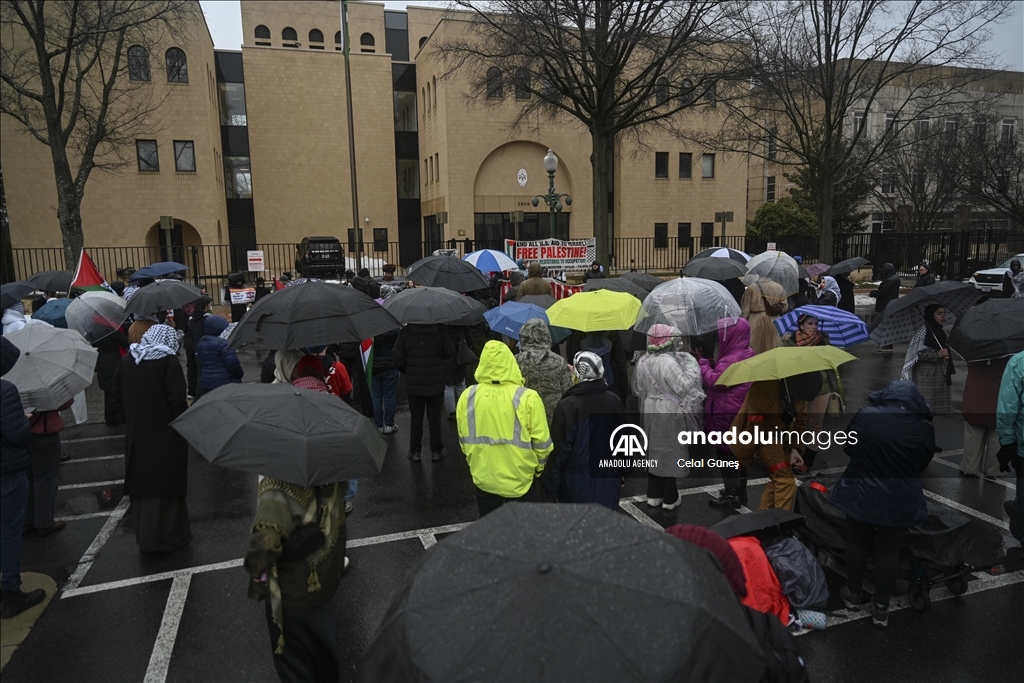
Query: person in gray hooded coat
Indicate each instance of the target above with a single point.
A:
(543, 370)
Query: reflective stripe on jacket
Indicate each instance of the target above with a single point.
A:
(503, 429)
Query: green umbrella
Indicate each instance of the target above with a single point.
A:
(596, 311)
(784, 361)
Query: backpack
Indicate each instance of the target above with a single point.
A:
(801, 577)
(782, 655)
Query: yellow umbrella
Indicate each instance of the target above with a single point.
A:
(784, 361)
(596, 311)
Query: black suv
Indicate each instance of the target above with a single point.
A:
(321, 257)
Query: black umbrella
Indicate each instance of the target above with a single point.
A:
(155, 270)
(537, 592)
(545, 301)
(450, 273)
(429, 305)
(714, 268)
(616, 284)
(848, 266)
(645, 280)
(161, 296)
(766, 525)
(310, 314)
(13, 292)
(296, 435)
(905, 316)
(52, 280)
(992, 329)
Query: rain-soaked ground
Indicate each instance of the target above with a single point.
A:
(185, 616)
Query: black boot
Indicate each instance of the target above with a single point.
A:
(730, 499)
(16, 602)
(808, 455)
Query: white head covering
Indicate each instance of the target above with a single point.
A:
(158, 342)
(285, 365)
(829, 284)
(588, 366)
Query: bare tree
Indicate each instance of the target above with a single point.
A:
(617, 67)
(818, 67)
(994, 165)
(65, 70)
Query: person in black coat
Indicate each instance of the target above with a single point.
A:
(582, 425)
(846, 300)
(925, 276)
(15, 463)
(1009, 289)
(194, 331)
(607, 345)
(595, 272)
(152, 386)
(384, 381)
(888, 290)
(881, 491)
(420, 355)
(111, 348)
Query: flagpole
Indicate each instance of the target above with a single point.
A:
(356, 229)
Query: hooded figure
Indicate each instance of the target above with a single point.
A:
(515, 279)
(543, 370)
(666, 382)
(829, 293)
(846, 299)
(583, 423)
(218, 363)
(888, 288)
(762, 303)
(925, 276)
(928, 363)
(535, 283)
(1013, 280)
(723, 403)
(503, 430)
(595, 272)
(881, 491)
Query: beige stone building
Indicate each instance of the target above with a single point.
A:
(270, 133)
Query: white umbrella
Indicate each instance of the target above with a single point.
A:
(490, 261)
(54, 365)
(777, 266)
(96, 314)
(691, 304)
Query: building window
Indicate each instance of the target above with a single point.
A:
(145, 151)
(660, 92)
(232, 104)
(921, 127)
(337, 40)
(707, 166)
(685, 164)
(888, 184)
(891, 121)
(289, 36)
(408, 179)
(316, 36)
(860, 119)
(661, 235)
(437, 166)
(380, 239)
(237, 178)
(426, 100)
(522, 84)
(711, 94)
(952, 126)
(683, 235)
(138, 63)
(686, 93)
(423, 41)
(434, 80)
(262, 32)
(184, 156)
(919, 180)
(980, 130)
(494, 84)
(661, 164)
(1009, 126)
(707, 235)
(367, 43)
(177, 66)
(405, 111)
(772, 145)
(769, 189)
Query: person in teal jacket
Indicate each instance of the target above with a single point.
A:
(1010, 427)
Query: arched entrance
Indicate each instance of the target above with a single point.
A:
(506, 182)
(179, 242)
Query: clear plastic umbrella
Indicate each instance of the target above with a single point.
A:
(691, 304)
(54, 365)
(95, 314)
(777, 266)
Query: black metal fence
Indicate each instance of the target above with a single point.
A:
(952, 254)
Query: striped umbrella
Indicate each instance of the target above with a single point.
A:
(724, 252)
(816, 269)
(905, 316)
(490, 261)
(843, 329)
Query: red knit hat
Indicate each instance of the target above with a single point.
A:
(720, 548)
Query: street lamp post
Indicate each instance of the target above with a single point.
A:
(552, 198)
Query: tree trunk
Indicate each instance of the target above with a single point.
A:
(825, 254)
(69, 210)
(603, 163)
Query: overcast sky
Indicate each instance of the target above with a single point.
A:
(225, 21)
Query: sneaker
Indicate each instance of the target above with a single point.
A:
(1011, 512)
(16, 602)
(727, 500)
(654, 502)
(879, 614)
(437, 457)
(345, 568)
(389, 429)
(672, 506)
(414, 456)
(851, 601)
(349, 507)
(381, 430)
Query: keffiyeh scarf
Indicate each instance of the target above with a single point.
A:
(158, 342)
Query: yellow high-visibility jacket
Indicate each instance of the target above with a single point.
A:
(503, 429)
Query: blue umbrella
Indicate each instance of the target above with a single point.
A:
(843, 329)
(509, 318)
(158, 270)
(53, 312)
(490, 261)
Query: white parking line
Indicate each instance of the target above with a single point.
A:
(88, 515)
(633, 511)
(95, 547)
(163, 648)
(75, 461)
(939, 460)
(93, 438)
(1002, 524)
(91, 484)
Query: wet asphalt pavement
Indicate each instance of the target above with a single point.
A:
(123, 616)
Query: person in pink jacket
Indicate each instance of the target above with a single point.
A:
(723, 403)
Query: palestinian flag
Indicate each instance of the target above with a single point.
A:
(366, 354)
(88, 276)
